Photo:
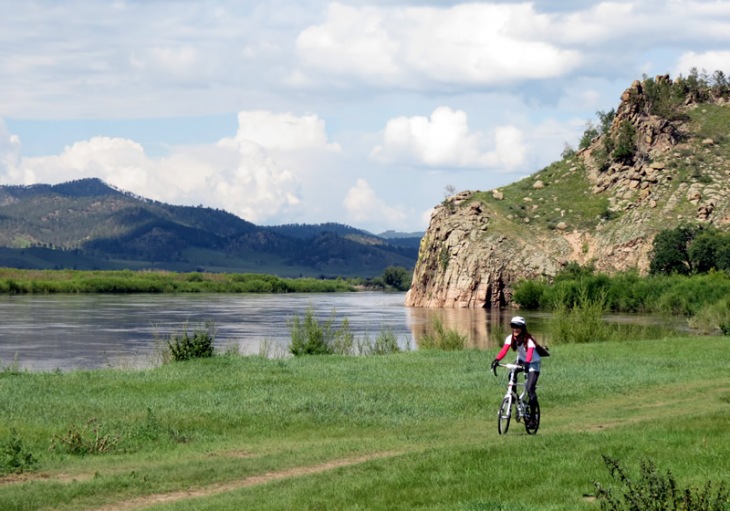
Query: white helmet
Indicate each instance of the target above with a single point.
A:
(518, 322)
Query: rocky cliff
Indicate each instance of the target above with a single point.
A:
(656, 167)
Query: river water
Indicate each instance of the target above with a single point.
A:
(49, 332)
(66, 332)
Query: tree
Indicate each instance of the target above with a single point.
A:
(397, 277)
(703, 252)
(710, 250)
(670, 250)
(625, 143)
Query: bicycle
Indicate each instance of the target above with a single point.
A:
(513, 401)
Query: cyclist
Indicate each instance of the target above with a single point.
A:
(521, 341)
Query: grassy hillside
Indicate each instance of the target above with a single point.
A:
(89, 225)
(409, 431)
(567, 194)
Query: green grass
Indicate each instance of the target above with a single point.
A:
(566, 197)
(17, 281)
(411, 430)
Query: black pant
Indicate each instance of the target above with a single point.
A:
(530, 386)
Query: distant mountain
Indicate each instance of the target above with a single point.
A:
(399, 235)
(87, 224)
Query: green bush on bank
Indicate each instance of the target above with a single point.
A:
(442, 338)
(579, 298)
(199, 344)
(626, 292)
(15, 281)
(310, 336)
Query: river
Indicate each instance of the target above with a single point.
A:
(87, 331)
(66, 332)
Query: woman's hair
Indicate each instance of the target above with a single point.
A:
(524, 336)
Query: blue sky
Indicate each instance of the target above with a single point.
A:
(311, 111)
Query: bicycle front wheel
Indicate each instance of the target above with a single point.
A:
(505, 414)
(532, 425)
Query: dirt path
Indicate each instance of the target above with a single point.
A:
(150, 500)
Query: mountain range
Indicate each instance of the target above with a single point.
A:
(89, 224)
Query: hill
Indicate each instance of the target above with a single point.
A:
(660, 160)
(87, 224)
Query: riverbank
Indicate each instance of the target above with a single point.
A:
(17, 281)
(417, 429)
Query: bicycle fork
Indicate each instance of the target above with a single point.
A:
(521, 406)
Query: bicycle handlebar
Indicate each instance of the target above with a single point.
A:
(508, 366)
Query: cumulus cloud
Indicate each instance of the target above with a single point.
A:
(475, 43)
(242, 174)
(282, 132)
(709, 61)
(368, 49)
(240, 178)
(363, 205)
(445, 140)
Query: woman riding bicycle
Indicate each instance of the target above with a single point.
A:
(524, 343)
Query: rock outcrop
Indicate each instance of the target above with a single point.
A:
(589, 208)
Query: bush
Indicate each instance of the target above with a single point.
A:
(579, 322)
(310, 337)
(529, 294)
(14, 457)
(397, 277)
(87, 439)
(656, 492)
(441, 338)
(625, 146)
(199, 345)
(712, 317)
(386, 342)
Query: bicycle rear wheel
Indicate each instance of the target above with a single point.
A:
(533, 424)
(505, 414)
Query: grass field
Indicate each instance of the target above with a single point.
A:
(407, 431)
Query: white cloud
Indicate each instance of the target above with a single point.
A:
(351, 41)
(363, 205)
(282, 132)
(181, 63)
(445, 140)
(709, 61)
(236, 175)
(475, 43)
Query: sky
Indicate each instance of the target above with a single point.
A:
(306, 111)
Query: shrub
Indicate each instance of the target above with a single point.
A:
(386, 342)
(14, 457)
(579, 322)
(199, 345)
(441, 338)
(87, 439)
(397, 277)
(656, 492)
(310, 337)
(712, 317)
(625, 146)
(529, 294)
